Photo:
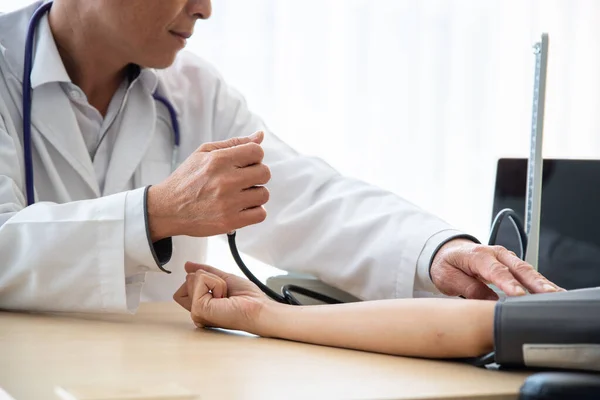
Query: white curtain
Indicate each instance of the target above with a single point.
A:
(420, 97)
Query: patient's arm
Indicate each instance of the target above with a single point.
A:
(436, 328)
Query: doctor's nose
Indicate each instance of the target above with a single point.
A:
(201, 9)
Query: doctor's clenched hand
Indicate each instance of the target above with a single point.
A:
(217, 189)
(463, 268)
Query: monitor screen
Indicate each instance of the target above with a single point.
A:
(569, 251)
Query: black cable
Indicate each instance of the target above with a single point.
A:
(516, 221)
(246, 271)
(480, 362)
(288, 297)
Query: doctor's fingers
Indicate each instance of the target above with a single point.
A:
(254, 175)
(525, 273)
(253, 197)
(251, 216)
(236, 157)
(256, 137)
(244, 155)
(485, 265)
(497, 265)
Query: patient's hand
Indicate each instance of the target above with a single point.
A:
(221, 300)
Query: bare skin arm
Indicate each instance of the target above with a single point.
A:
(433, 328)
(429, 328)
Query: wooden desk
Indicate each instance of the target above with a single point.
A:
(160, 350)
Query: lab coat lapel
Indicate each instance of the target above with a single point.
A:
(135, 134)
(53, 118)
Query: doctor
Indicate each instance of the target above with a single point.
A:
(94, 218)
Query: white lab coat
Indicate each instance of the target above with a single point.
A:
(70, 251)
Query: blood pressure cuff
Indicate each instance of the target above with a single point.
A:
(551, 330)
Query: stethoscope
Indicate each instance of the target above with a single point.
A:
(287, 296)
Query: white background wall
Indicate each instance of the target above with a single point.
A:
(420, 97)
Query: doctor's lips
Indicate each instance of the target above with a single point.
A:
(183, 35)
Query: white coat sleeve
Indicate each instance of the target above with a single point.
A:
(351, 235)
(81, 256)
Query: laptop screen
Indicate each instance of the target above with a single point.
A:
(569, 251)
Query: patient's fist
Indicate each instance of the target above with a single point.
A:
(221, 300)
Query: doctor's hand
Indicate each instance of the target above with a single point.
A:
(463, 268)
(221, 300)
(217, 189)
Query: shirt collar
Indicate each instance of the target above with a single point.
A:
(47, 64)
(149, 79)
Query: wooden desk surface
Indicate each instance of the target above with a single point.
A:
(160, 351)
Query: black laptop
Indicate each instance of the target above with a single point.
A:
(569, 251)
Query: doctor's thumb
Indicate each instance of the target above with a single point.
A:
(257, 137)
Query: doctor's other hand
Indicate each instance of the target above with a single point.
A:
(221, 300)
(464, 268)
(217, 189)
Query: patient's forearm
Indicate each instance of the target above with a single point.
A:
(437, 328)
